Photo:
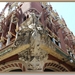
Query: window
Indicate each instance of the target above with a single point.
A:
(24, 18)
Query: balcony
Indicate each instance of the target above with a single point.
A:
(56, 51)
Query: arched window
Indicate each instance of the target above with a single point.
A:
(16, 70)
(48, 70)
(24, 18)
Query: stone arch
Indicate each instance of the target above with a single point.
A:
(12, 66)
(54, 66)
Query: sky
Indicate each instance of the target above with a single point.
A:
(64, 9)
(67, 11)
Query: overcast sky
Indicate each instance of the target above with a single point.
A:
(64, 9)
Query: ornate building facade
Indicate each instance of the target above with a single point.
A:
(33, 38)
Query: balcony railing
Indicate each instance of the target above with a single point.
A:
(58, 49)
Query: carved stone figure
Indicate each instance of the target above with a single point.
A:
(11, 6)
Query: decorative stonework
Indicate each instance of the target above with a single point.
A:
(55, 66)
(34, 57)
(12, 5)
(7, 67)
(34, 53)
(35, 38)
